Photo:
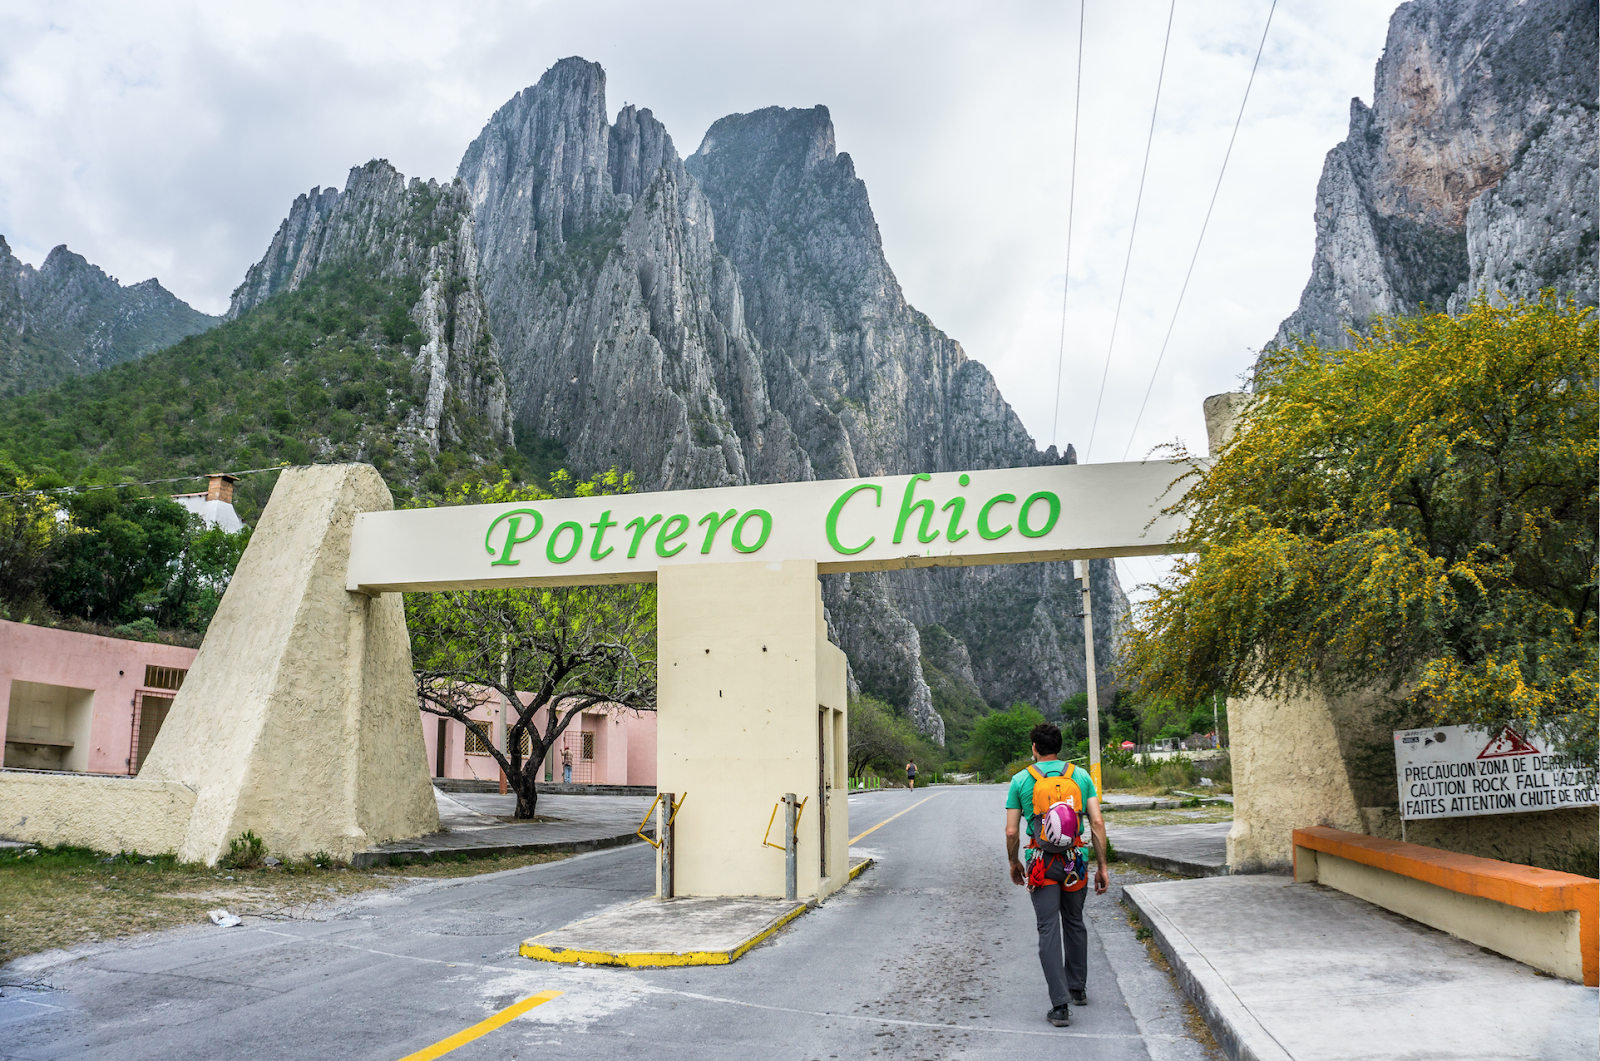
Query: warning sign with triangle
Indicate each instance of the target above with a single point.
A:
(1508, 743)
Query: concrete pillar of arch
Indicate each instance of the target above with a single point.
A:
(298, 719)
(751, 706)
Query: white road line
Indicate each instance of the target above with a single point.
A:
(916, 1023)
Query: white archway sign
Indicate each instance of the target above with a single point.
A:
(948, 519)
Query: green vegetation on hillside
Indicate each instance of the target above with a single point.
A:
(883, 740)
(318, 375)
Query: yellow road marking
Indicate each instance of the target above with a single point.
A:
(892, 817)
(482, 1028)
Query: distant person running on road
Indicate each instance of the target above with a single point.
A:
(911, 776)
(1056, 880)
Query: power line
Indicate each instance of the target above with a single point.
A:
(1137, 202)
(146, 482)
(1183, 290)
(1072, 197)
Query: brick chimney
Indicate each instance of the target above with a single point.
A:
(219, 487)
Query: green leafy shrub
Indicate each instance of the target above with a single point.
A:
(245, 851)
(1001, 739)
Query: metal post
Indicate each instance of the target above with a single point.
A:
(500, 723)
(1216, 727)
(790, 842)
(664, 831)
(1094, 693)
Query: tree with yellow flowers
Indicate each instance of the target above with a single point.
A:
(1416, 515)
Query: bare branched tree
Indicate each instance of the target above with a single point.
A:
(566, 649)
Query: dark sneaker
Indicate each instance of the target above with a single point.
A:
(1078, 998)
(1059, 1016)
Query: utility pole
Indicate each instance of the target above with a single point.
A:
(1082, 569)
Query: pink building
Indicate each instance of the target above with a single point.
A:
(79, 702)
(91, 704)
(606, 746)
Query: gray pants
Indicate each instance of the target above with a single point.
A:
(1060, 913)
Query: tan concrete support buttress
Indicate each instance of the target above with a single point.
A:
(298, 719)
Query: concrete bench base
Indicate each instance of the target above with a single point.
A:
(1536, 916)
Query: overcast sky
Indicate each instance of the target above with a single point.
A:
(168, 140)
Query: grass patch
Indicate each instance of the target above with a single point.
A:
(64, 896)
(1125, 819)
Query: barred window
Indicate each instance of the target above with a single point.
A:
(477, 746)
(588, 746)
(163, 677)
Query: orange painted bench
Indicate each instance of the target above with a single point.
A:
(1524, 887)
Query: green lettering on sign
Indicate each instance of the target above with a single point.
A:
(907, 506)
(984, 530)
(716, 522)
(832, 524)
(555, 536)
(738, 530)
(640, 527)
(957, 505)
(600, 526)
(674, 527)
(1055, 513)
(513, 539)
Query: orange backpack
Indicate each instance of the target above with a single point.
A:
(1048, 790)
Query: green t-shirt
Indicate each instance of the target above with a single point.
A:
(1020, 797)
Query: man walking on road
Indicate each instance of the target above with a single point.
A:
(1057, 907)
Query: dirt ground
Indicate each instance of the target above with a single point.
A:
(64, 896)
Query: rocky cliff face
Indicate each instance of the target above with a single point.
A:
(732, 319)
(408, 230)
(620, 324)
(68, 318)
(1473, 172)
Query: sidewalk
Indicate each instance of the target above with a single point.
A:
(468, 825)
(1299, 972)
(1187, 850)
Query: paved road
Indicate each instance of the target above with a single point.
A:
(930, 954)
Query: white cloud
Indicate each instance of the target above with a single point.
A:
(169, 140)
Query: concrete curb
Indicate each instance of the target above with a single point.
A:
(364, 859)
(1175, 866)
(532, 948)
(659, 959)
(1237, 1031)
